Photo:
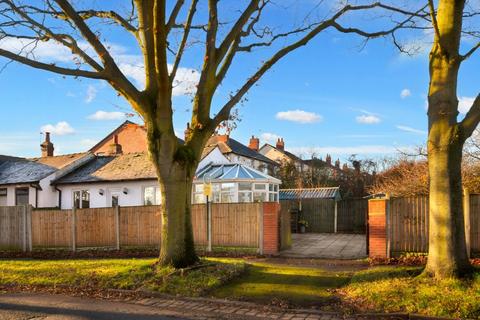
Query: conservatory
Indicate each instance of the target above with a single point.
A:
(232, 183)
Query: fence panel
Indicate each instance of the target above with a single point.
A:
(51, 228)
(236, 224)
(95, 227)
(475, 223)
(351, 215)
(320, 215)
(199, 224)
(12, 228)
(140, 226)
(408, 224)
(285, 229)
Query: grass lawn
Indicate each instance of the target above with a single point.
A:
(117, 274)
(378, 289)
(285, 285)
(393, 289)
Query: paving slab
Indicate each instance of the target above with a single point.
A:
(327, 246)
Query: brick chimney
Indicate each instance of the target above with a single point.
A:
(222, 138)
(254, 143)
(328, 159)
(115, 147)
(46, 146)
(280, 144)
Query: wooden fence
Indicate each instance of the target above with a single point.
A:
(407, 225)
(352, 215)
(329, 216)
(24, 228)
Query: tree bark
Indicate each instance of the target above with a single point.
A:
(175, 165)
(447, 255)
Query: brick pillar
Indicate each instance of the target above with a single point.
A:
(271, 228)
(377, 228)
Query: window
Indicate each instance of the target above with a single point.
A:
(21, 196)
(216, 192)
(152, 196)
(81, 199)
(3, 196)
(114, 200)
(198, 196)
(227, 192)
(259, 192)
(244, 192)
(273, 192)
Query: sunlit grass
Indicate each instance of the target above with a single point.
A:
(401, 289)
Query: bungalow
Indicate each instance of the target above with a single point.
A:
(27, 181)
(130, 180)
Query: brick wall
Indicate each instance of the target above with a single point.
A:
(377, 231)
(132, 138)
(271, 228)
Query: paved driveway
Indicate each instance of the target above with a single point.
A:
(327, 246)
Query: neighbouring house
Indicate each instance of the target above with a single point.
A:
(127, 138)
(130, 180)
(278, 153)
(237, 152)
(326, 168)
(27, 181)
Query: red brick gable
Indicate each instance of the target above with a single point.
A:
(132, 138)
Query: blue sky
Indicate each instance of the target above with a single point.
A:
(329, 96)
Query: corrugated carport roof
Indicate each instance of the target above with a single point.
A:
(311, 193)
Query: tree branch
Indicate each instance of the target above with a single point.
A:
(472, 118)
(52, 67)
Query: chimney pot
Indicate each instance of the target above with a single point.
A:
(280, 144)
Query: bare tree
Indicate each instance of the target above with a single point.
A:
(446, 138)
(155, 25)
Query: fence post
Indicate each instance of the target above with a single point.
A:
(117, 226)
(209, 226)
(24, 241)
(29, 228)
(260, 229)
(335, 228)
(74, 228)
(466, 214)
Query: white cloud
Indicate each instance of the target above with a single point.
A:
(464, 104)
(368, 119)
(269, 137)
(91, 94)
(106, 115)
(62, 128)
(405, 93)
(299, 116)
(411, 130)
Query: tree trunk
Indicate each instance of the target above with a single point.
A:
(447, 256)
(177, 247)
(175, 166)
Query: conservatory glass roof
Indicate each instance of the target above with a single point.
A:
(234, 171)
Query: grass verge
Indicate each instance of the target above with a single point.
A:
(286, 286)
(101, 274)
(401, 289)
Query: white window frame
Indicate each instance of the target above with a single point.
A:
(156, 193)
(80, 205)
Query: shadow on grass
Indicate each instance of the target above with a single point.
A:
(386, 272)
(286, 285)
